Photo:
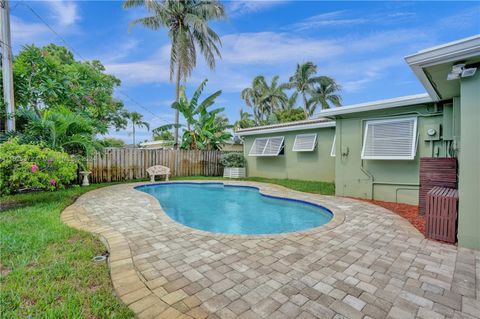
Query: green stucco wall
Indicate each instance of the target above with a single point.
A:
(315, 166)
(469, 163)
(387, 180)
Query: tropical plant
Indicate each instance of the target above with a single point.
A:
(112, 142)
(303, 81)
(204, 129)
(326, 94)
(187, 22)
(137, 121)
(290, 115)
(32, 167)
(62, 130)
(264, 98)
(245, 121)
(163, 136)
(49, 77)
(233, 159)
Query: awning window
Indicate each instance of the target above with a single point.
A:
(392, 139)
(304, 143)
(267, 146)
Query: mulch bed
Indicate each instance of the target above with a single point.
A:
(409, 212)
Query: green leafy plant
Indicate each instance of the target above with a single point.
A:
(49, 77)
(205, 129)
(232, 160)
(32, 167)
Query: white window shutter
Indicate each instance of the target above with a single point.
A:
(304, 142)
(392, 139)
(266, 146)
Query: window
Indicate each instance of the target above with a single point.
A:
(267, 146)
(304, 142)
(392, 139)
(333, 151)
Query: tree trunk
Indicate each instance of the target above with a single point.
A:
(177, 113)
(305, 105)
(134, 135)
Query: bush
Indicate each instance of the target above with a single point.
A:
(232, 160)
(31, 167)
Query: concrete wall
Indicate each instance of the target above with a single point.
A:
(387, 180)
(469, 163)
(315, 166)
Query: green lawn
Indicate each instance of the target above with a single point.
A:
(47, 267)
(303, 186)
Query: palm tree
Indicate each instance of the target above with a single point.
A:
(264, 98)
(188, 29)
(325, 94)
(245, 120)
(137, 120)
(291, 102)
(303, 81)
(253, 96)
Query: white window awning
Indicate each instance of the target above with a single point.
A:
(390, 139)
(304, 142)
(267, 146)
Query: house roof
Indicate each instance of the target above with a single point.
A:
(448, 53)
(378, 105)
(284, 127)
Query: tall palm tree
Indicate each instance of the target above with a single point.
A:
(303, 82)
(137, 121)
(274, 97)
(187, 25)
(264, 98)
(325, 94)
(245, 120)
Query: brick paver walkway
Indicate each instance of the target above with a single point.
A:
(366, 263)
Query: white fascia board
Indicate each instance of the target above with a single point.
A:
(378, 105)
(287, 128)
(449, 52)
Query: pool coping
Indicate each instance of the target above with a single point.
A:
(130, 286)
(338, 216)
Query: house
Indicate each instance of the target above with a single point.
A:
(296, 150)
(378, 145)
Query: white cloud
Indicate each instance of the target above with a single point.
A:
(327, 19)
(26, 32)
(64, 12)
(274, 48)
(240, 7)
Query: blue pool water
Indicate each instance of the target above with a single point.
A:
(217, 208)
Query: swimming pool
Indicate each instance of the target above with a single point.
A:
(220, 208)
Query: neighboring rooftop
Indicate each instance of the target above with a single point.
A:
(284, 127)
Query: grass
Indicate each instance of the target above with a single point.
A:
(315, 187)
(47, 267)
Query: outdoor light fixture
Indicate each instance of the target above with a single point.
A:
(460, 71)
(468, 72)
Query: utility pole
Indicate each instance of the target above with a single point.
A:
(6, 45)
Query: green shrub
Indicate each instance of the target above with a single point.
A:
(232, 160)
(31, 167)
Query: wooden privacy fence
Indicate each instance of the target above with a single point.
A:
(121, 164)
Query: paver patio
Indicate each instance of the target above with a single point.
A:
(366, 263)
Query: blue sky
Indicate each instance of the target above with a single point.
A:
(360, 44)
